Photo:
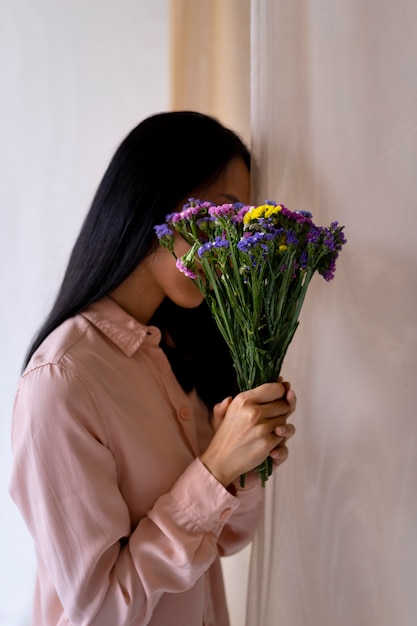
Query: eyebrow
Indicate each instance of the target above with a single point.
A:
(230, 197)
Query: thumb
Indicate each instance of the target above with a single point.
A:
(219, 411)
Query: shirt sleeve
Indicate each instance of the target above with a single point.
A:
(65, 483)
(239, 530)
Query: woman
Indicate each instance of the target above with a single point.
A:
(128, 435)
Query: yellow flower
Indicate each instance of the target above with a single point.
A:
(272, 209)
(264, 210)
(254, 214)
(282, 248)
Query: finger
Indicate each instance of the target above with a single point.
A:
(291, 398)
(219, 411)
(285, 431)
(221, 407)
(278, 410)
(279, 454)
(286, 384)
(268, 392)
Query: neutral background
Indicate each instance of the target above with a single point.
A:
(334, 130)
(334, 125)
(76, 76)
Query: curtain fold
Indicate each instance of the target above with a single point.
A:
(334, 129)
(210, 73)
(210, 60)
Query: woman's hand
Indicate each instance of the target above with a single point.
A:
(280, 453)
(248, 428)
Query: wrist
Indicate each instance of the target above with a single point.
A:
(214, 468)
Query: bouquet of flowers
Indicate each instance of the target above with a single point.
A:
(253, 265)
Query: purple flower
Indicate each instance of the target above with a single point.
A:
(342, 238)
(242, 209)
(219, 242)
(291, 238)
(313, 236)
(185, 270)
(330, 239)
(328, 273)
(192, 202)
(304, 260)
(300, 217)
(189, 210)
(204, 220)
(163, 230)
(257, 240)
(222, 210)
(185, 214)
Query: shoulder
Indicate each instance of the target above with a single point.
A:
(56, 397)
(58, 343)
(86, 364)
(103, 333)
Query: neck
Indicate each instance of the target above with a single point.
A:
(138, 296)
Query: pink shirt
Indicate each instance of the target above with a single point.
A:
(127, 522)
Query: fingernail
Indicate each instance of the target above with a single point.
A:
(281, 430)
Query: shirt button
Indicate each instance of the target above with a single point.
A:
(225, 514)
(184, 413)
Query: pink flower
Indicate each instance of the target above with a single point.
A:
(222, 210)
(185, 270)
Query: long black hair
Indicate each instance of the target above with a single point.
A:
(157, 166)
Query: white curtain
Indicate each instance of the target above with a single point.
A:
(334, 128)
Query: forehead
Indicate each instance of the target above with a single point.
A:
(232, 186)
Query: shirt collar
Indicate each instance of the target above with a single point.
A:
(121, 328)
